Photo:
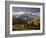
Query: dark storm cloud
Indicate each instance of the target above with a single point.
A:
(26, 9)
(25, 12)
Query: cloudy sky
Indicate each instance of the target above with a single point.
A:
(24, 10)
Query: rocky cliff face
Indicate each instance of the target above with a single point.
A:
(27, 25)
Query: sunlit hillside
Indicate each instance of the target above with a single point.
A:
(20, 24)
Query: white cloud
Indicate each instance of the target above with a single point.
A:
(37, 14)
(18, 14)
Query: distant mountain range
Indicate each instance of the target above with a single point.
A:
(26, 17)
(23, 19)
